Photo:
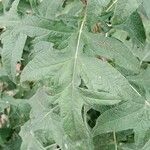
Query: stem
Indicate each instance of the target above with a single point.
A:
(51, 146)
(77, 47)
(111, 6)
(115, 140)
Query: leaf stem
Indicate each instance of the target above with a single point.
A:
(78, 44)
(115, 140)
(111, 6)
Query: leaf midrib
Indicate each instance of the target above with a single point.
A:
(77, 47)
(75, 65)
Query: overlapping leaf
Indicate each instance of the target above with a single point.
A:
(67, 68)
(134, 27)
(45, 119)
(12, 52)
(123, 9)
(124, 117)
(81, 70)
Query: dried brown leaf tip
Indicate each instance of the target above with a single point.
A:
(96, 28)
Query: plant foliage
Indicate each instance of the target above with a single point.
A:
(75, 75)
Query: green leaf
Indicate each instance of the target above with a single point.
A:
(42, 29)
(84, 67)
(146, 146)
(4, 133)
(13, 45)
(123, 9)
(67, 68)
(87, 70)
(142, 80)
(45, 119)
(113, 50)
(7, 101)
(146, 3)
(143, 142)
(11, 17)
(49, 8)
(129, 115)
(41, 119)
(145, 55)
(99, 97)
(6, 4)
(96, 7)
(135, 28)
(2, 72)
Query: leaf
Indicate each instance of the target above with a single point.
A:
(123, 9)
(135, 28)
(64, 61)
(72, 121)
(146, 3)
(41, 119)
(142, 80)
(107, 141)
(7, 101)
(46, 120)
(124, 117)
(67, 68)
(145, 56)
(33, 3)
(79, 63)
(112, 49)
(4, 133)
(2, 72)
(146, 146)
(143, 146)
(12, 52)
(46, 30)
(10, 18)
(49, 8)
(96, 6)
(93, 97)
